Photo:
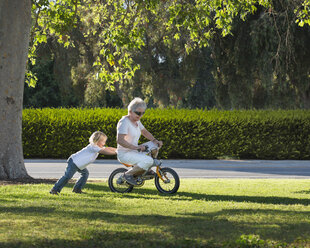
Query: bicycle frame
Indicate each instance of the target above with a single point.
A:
(166, 179)
(153, 153)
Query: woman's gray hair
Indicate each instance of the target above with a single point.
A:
(136, 103)
(96, 136)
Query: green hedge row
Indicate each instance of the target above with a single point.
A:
(195, 134)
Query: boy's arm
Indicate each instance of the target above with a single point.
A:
(108, 151)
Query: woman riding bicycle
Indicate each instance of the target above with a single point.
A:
(129, 130)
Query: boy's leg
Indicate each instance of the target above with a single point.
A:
(70, 171)
(82, 181)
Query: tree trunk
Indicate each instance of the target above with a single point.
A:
(306, 98)
(15, 24)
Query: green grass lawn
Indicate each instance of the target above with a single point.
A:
(204, 213)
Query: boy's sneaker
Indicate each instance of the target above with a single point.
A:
(78, 191)
(129, 179)
(54, 192)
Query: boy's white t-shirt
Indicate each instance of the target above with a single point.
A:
(133, 132)
(85, 156)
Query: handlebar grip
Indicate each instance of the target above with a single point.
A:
(146, 148)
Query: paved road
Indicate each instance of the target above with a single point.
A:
(187, 168)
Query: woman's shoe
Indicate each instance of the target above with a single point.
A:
(129, 179)
(150, 172)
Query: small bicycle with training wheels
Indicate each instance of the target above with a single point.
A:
(166, 179)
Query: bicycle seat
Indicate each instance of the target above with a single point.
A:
(127, 165)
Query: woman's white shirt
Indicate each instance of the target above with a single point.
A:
(85, 156)
(132, 131)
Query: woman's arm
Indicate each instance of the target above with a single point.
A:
(150, 137)
(121, 140)
(108, 151)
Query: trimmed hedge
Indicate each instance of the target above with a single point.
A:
(195, 134)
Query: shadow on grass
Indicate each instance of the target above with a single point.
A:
(252, 199)
(7, 200)
(303, 192)
(184, 230)
(27, 210)
(219, 226)
(186, 227)
(97, 189)
(26, 181)
(112, 239)
(150, 193)
(208, 197)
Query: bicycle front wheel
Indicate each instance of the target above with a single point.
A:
(169, 183)
(117, 183)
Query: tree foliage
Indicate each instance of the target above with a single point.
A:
(46, 93)
(267, 57)
(153, 48)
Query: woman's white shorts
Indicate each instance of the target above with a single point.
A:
(135, 158)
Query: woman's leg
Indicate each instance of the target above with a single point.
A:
(139, 159)
(135, 170)
(140, 163)
(70, 171)
(82, 181)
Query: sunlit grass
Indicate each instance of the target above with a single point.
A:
(204, 213)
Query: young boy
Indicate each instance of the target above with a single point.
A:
(80, 160)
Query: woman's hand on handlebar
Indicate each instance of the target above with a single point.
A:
(158, 142)
(141, 148)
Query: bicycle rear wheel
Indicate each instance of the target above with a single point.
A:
(170, 183)
(117, 183)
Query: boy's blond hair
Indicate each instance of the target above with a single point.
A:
(96, 136)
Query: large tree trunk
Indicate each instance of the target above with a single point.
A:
(15, 24)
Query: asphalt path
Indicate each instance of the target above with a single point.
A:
(100, 169)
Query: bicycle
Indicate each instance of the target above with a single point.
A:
(166, 180)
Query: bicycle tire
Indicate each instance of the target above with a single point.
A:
(170, 187)
(119, 188)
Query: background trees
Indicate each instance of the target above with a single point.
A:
(164, 51)
(265, 63)
(229, 55)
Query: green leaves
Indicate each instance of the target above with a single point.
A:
(30, 79)
(303, 13)
(121, 25)
(118, 28)
(195, 134)
(50, 19)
